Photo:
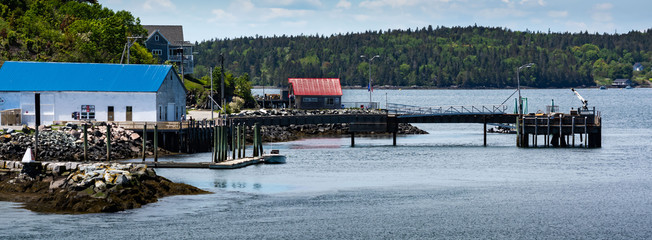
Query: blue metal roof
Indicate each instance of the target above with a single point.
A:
(86, 77)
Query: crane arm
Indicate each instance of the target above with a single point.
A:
(584, 102)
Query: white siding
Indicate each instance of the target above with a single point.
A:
(59, 106)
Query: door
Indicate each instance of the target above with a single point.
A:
(170, 113)
(109, 113)
(129, 113)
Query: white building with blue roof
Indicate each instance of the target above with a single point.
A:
(92, 91)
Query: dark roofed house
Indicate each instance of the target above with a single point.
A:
(316, 93)
(166, 42)
(621, 83)
(638, 67)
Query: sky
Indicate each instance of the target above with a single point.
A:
(219, 19)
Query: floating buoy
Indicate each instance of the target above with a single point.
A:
(29, 156)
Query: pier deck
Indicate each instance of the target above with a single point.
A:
(229, 164)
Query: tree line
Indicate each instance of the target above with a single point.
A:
(465, 57)
(68, 31)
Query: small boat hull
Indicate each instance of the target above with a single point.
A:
(274, 158)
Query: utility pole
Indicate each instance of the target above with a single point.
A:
(222, 82)
(211, 94)
(130, 42)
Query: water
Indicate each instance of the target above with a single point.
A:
(440, 185)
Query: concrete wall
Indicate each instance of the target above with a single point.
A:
(170, 99)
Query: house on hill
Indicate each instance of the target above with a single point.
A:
(316, 93)
(166, 42)
(638, 67)
(91, 91)
(621, 83)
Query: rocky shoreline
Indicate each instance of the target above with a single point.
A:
(66, 143)
(74, 188)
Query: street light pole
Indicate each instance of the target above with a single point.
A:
(518, 82)
(222, 79)
(211, 97)
(369, 86)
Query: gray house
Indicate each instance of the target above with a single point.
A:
(621, 83)
(638, 67)
(166, 42)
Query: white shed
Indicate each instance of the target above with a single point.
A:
(92, 91)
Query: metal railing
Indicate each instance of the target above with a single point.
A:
(445, 110)
(361, 105)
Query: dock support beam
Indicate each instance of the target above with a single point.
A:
(85, 142)
(394, 138)
(352, 139)
(108, 142)
(144, 139)
(155, 142)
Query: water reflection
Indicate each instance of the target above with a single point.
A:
(248, 187)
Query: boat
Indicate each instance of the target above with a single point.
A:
(603, 88)
(628, 87)
(274, 157)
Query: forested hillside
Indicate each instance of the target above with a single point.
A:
(67, 31)
(467, 57)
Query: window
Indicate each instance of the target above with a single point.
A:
(329, 101)
(87, 112)
(156, 37)
(308, 99)
(157, 52)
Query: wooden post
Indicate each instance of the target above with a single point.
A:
(85, 142)
(260, 142)
(548, 133)
(586, 135)
(255, 153)
(536, 131)
(108, 142)
(156, 142)
(37, 122)
(144, 139)
(233, 141)
(394, 138)
(352, 139)
(573, 130)
(214, 152)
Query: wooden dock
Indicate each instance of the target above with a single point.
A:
(229, 164)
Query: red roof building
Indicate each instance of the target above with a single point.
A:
(316, 93)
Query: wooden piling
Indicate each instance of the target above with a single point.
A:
(85, 142)
(108, 142)
(573, 129)
(155, 142)
(144, 139)
(352, 139)
(233, 141)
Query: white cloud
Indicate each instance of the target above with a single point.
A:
(220, 15)
(558, 14)
(273, 13)
(154, 4)
(343, 4)
(245, 5)
(393, 3)
(603, 6)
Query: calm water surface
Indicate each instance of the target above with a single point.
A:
(441, 185)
